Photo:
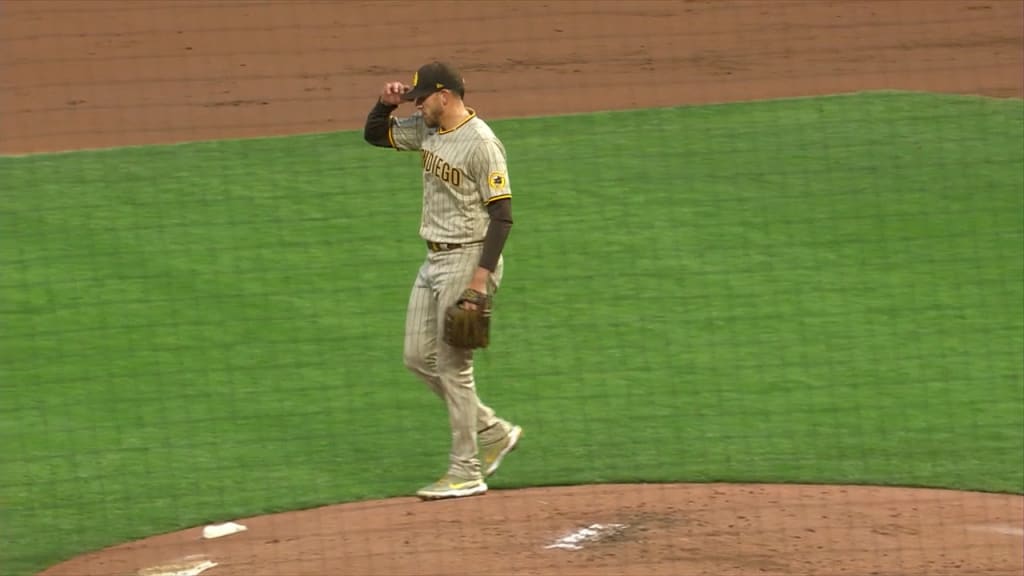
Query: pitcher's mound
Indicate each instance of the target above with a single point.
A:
(645, 529)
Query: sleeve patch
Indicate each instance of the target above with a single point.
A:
(497, 181)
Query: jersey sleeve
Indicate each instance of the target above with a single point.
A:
(407, 133)
(491, 171)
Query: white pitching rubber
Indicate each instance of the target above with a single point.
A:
(219, 530)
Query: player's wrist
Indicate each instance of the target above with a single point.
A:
(480, 279)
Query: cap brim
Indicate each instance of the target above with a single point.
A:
(418, 92)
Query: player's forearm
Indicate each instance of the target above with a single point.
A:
(497, 233)
(378, 122)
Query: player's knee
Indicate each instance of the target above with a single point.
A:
(419, 362)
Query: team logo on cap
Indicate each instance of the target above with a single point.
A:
(415, 78)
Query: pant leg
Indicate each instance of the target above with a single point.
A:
(420, 347)
(466, 413)
(422, 334)
(490, 427)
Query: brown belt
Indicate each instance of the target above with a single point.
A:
(445, 246)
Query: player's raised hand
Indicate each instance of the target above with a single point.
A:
(392, 93)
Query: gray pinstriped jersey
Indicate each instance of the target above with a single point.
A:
(464, 169)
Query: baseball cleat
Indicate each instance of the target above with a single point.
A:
(452, 487)
(491, 456)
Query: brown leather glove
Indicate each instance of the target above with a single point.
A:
(468, 327)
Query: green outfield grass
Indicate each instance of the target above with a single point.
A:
(817, 290)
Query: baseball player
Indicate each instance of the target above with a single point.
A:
(466, 218)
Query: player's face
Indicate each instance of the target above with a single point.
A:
(432, 107)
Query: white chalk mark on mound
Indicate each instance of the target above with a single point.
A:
(188, 566)
(592, 533)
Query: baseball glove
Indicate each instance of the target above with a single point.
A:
(466, 327)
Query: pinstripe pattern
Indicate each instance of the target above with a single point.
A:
(449, 371)
(463, 170)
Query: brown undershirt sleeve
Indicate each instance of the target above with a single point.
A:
(378, 121)
(497, 232)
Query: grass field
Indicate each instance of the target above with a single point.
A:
(817, 290)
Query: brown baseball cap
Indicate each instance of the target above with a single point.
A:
(434, 77)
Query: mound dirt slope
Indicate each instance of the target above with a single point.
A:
(668, 529)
